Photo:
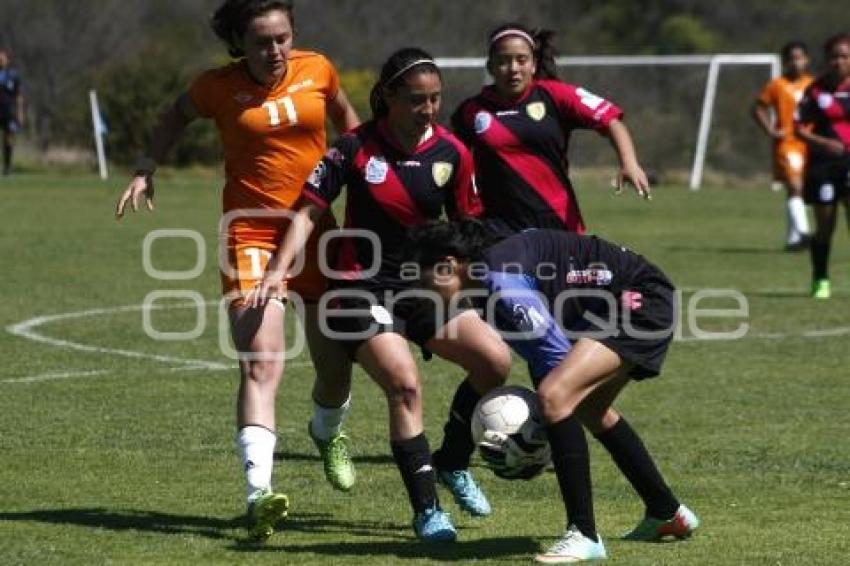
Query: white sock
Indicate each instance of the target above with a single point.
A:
(792, 236)
(327, 421)
(256, 446)
(797, 214)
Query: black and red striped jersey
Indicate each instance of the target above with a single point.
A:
(520, 151)
(390, 190)
(826, 108)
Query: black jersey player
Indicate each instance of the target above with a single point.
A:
(519, 129)
(823, 122)
(401, 169)
(588, 316)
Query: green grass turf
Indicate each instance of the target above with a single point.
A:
(131, 460)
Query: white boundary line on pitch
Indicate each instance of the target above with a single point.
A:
(27, 329)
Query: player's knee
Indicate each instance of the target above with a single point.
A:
(404, 391)
(554, 402)
(490, 367)
(264, 371)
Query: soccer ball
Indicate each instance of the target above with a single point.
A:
(508, 429)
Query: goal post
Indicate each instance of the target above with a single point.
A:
(713, 62)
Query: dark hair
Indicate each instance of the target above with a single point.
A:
(399, 65)
(231, 19)
(543, 49)
(836, 39)
(436, 240)
(789, 48)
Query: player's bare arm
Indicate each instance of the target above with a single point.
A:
(630, 169)
(171, 126)
(342, 113)
(832, 145)
(761, 114)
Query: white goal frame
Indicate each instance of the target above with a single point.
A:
(714, 62)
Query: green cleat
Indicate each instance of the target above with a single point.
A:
(264, 512)
(336, 460)
(821, 289)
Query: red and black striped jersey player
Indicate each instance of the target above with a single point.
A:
(400, 170)
(823, 122)
(519, 130)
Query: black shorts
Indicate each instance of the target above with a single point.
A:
(827, 182)
(356, 315)
(7, 121)
(646, 322)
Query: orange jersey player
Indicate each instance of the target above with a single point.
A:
(781, 95)
(272, 139)
(270, 108)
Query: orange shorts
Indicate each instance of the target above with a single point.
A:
(789, 163)
(248, 252)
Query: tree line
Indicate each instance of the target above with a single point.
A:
(139, 54)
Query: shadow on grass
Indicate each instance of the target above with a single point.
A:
(149, 521)
(742, 250)
(210, 527)
(509, 548)
(285, 455)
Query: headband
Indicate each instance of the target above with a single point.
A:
(512, 31)
(409, 66)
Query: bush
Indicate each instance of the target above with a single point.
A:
(132, 97)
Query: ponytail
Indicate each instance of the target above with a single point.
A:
(544, 54)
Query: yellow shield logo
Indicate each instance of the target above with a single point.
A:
(537, 110)
(442, 172)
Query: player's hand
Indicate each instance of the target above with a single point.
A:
(778, 134)
(140, 185)
(634, 175)
(271, 286)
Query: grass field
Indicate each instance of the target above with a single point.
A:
(119, 449)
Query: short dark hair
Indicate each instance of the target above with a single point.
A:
(401, 63)
(435, 240)
(834, 40)
(543, 49)
(232, 18)
(789, 48)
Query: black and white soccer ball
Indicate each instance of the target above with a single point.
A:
(507, 427)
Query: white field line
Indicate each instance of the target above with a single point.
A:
(27, 329)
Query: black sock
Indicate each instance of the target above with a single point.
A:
(457, 447)
(7, 157)
(572, 466)
(634, 461)
(820, 259)
(413, 458)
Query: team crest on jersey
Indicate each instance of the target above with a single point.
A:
(442, 172)
(537, 111)
(318, 175)
(482, 122)
(824, 100)
(376, 170)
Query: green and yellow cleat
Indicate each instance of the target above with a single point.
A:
(336, 460)
(264, 512)
(821, 289)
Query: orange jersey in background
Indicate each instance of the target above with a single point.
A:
(272, 140)
(789, 153)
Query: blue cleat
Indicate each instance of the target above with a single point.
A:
(466, 492)
(434, 525)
